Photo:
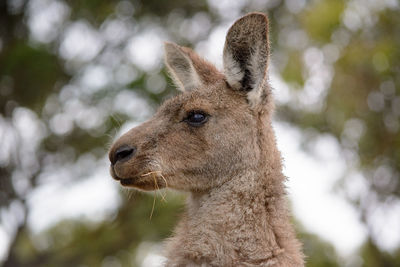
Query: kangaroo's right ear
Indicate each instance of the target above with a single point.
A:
(245, 57)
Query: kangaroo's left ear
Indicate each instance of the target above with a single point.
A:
(187, 69)
(246, 55)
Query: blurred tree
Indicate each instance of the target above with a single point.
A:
(358, 51)
(71, 73)
(73, 243)
(372, 256)
(317, 251)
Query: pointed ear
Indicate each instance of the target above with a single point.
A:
(181, 67)
(246, 55)
(187, 69)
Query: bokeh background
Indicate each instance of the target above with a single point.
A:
(75, 74)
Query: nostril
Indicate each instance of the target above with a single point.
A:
(123, 153)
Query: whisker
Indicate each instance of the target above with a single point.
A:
(166, 185)
(158, 189)
(163, 197)
(165, 180)
(114, 117)
(152, 172)
(152, 208)
(156, 174)
(130, 194)
(155, 182)
(154, 199)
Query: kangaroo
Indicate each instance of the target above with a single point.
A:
(215, 140)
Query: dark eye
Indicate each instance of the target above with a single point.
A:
(196, 118)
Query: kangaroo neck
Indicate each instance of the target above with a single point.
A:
(243, 214)
(243, 222)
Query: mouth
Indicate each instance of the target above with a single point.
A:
(123, 181)
(130, 182)
(138, 181)
(127, 181)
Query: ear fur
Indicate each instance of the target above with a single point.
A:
(187, 69)
(245, 57)
(181, 68)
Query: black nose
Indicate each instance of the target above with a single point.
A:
(122, 153)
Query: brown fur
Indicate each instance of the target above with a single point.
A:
(237, 212)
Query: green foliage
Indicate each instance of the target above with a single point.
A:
(318, 252)
(372, 256)
(293, 69)
(33, 73)
(87, 242)
(321, 18)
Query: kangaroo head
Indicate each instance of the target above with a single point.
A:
(209, 132)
